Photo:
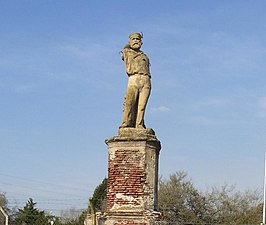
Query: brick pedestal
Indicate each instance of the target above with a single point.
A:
(132, 177)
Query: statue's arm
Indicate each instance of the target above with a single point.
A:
(126, 57)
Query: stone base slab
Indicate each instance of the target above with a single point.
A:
(128, 218)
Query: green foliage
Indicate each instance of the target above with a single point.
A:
(99, 196)
(3, 201)
(233, 207)
(3, 204)
(30, 215)
(181, 202)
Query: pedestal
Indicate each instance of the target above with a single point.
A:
(132, 177)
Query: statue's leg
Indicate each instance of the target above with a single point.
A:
(130, 106)
(143, 99)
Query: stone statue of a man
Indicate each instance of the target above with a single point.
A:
(139, 85)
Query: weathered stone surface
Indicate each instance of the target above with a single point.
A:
(132, 172)
(134, 134)
(125, 218)
(139, 83)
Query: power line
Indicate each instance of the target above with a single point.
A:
(42, 182)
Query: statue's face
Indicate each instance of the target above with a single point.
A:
(135, 42)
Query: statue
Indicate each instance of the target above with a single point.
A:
(139, 85)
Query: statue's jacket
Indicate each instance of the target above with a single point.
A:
(136, 62)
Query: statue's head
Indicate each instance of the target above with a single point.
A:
(135, 41)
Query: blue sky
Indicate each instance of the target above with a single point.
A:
(62, 84)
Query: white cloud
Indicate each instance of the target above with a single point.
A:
(25, 87)
(212, 103)
(78, 51)
(262, 107)
(160, 109)
(205, 121)
(262, 103)
(83, 50)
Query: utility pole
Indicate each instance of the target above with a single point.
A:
(5, 215)
(264, 192)
(93, 216)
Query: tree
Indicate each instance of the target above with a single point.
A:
(70, 213)
(30, 215)
(99, 196)
(76, 221)
(3, 201)
(180, 201)
(228, 206)
(72, 216)
(4, 207)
